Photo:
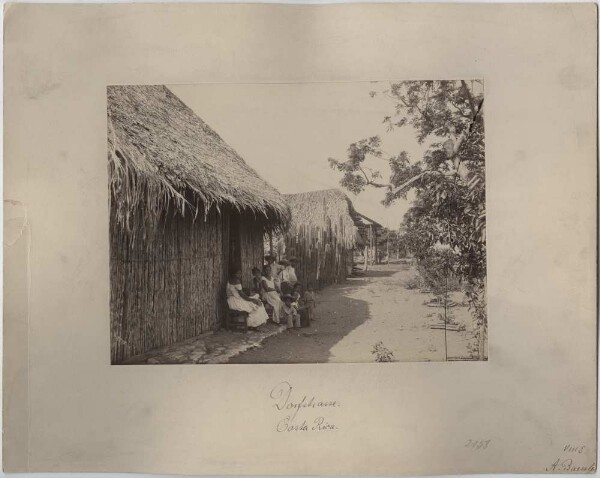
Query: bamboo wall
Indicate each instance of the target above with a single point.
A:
(172, 287)
(322, 259)
(169, 288)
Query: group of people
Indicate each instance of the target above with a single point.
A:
(276, 288)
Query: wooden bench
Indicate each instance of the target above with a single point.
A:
(236, 320)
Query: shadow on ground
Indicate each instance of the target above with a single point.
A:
(373, 274)
(337, 315)
(373, 308)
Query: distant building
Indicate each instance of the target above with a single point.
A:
(324, 232)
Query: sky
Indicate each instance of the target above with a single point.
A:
(286, 132)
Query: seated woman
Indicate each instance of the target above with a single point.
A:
(237, 300)
(275, 268)
(269, 293)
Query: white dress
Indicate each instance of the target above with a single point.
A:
(292, 275)
(257, 315)
(272, 297)
(275, 274)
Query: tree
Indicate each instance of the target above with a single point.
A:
(387, 243)
(448, 182)
(435, 269)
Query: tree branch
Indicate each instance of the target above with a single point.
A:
(379, 185)
(475, 110)
(405, 184)
(469, 97)
(455, 151)
(461, 139)
(370, 182)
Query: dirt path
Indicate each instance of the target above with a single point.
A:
(352, 317)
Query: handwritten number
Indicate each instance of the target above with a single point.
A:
(477, 444)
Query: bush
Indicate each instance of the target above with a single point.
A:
(414, 282)
(382, 354)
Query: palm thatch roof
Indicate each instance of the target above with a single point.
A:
(319, 209)
(160, 154)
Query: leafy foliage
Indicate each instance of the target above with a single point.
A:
(382, 353)
(414, 282)
(448, 182)
(436, 269)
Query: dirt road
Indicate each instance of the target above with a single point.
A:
(352, 317)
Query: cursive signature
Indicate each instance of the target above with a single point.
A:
(319, 424)
(569, 465)
(285, 400)
(292, 404)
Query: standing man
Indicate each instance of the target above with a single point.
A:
(284, 277)
(275, 270)
(292, 272)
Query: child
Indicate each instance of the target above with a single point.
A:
(256, 276)
(309, 301)
(289, 313)
(297, 295)
(301, 306)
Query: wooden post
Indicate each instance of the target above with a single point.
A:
(388, 247)
(371, 239)
(376, 249)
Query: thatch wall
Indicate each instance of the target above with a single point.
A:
(322, 260)
(322, 236)
(169, 288)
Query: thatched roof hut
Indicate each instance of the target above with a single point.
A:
(185, 209)
(161, 154)
(319, 210)
(323, 232)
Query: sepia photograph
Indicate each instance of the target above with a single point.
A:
(350, 239)
(297, 223)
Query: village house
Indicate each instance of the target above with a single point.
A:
(324, 231)
(369, 231)
(185, 209)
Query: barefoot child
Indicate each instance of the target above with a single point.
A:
(297, 295)
(310, 301)
(256, 278)
(289, 313)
